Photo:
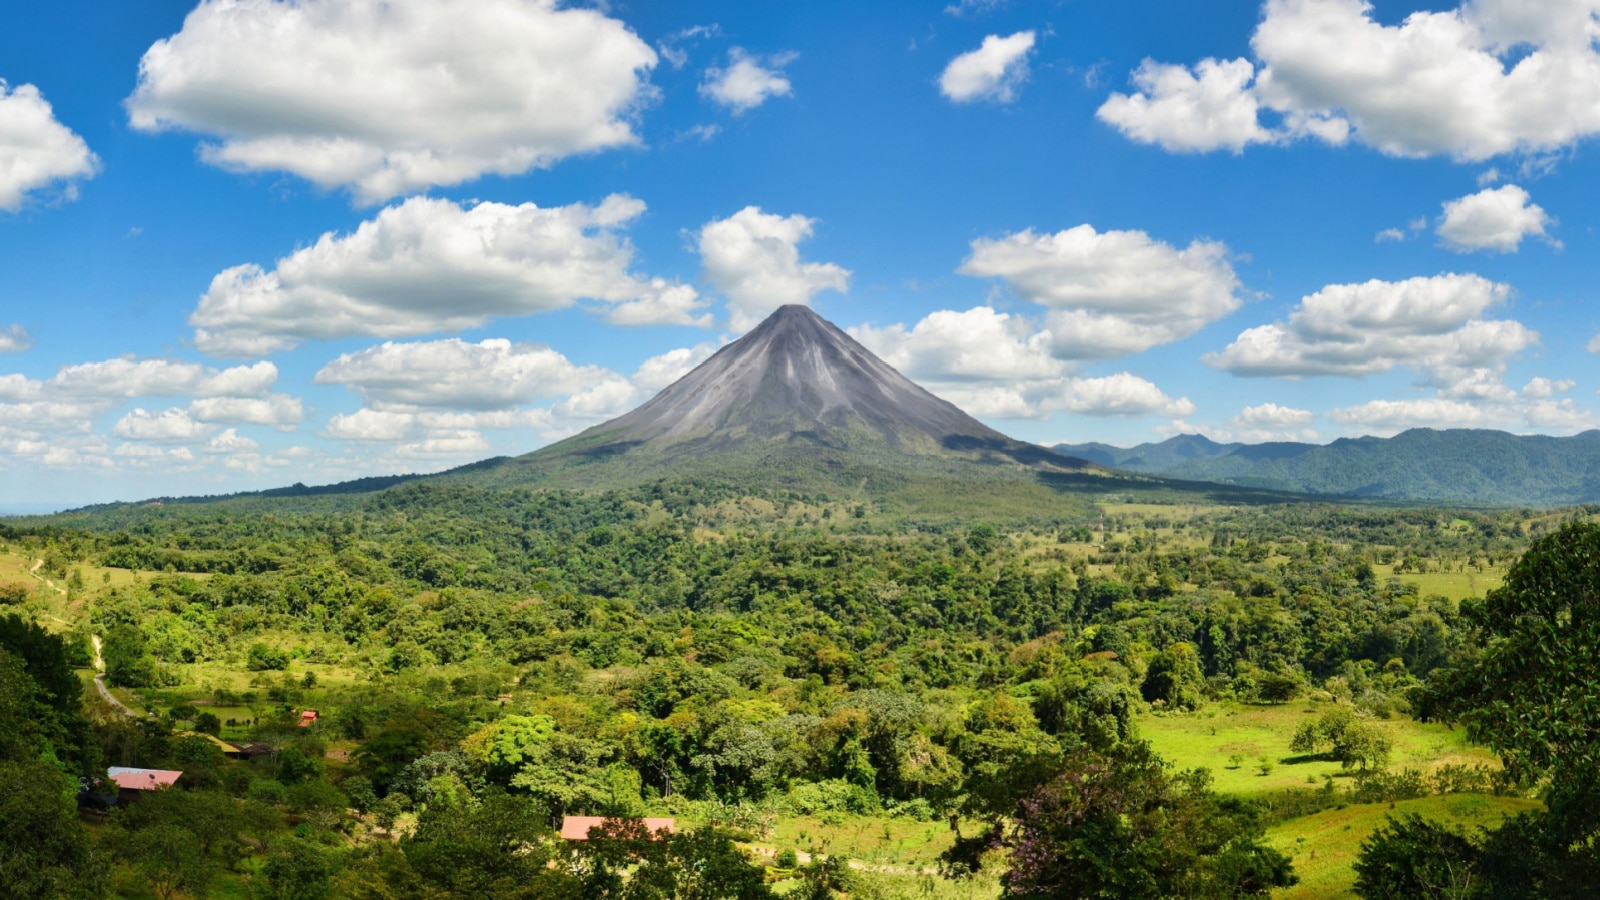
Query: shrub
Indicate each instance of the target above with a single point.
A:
(263, 658)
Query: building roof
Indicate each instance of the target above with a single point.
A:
(576, 828)
(142, 779)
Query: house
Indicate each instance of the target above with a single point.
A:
(576, 828)
(248, 750)
(308, 718)
(133, 782)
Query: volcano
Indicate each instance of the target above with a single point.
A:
(796, 402)
(796, 377)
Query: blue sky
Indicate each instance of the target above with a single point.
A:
(251, 243)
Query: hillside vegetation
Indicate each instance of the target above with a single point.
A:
(830, 697)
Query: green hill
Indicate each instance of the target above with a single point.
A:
(1456, 466)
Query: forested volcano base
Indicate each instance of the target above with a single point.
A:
(1157, 700)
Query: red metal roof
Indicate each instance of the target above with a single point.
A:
(142, 779)
(576, 828)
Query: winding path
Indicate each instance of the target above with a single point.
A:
(100, 681)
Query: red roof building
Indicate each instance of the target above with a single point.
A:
(576, 828)
(142, 779)
(308, 717)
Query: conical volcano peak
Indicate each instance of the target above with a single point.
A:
(794, 401)
(796, 374)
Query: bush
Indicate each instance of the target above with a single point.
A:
(1413, 857)
(262, 658)
(787, 859)
(815, 798)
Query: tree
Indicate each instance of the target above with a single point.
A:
(167, 857)
(1348, 738)
(1173, 678)
(481, 848)
(703, 864)
(1531, 695)
(1412, 857)
(297, 870)
(1120, 825)
(44, 851)
(262, 658)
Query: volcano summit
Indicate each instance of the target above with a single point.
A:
(795, 401)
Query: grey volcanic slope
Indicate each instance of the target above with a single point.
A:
(796, 402)
(794, 372)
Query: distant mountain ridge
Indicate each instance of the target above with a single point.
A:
(1453, 465)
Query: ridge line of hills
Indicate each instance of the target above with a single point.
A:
(1478, 466)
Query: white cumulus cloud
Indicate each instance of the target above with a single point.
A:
(1111, 293)
(747, 81)
(454, 374)
(1493, 219)
(995, 365)
(279, 411)
(429, 265)
(1487, 78)
(1211, 108)
(391, 97)
(1122, 394)
(1433, 325)
(1541, 388)
(1271, 415)
(14, 339)
(36, 151)
(994, 71)
(174, 426)
(753, 258)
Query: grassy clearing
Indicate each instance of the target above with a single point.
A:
(1324, 845)
(891, 886)
(1210, 737)
(903, 844)
(1451, 585)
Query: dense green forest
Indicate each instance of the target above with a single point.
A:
(1133, 700)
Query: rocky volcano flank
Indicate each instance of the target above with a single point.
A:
(795, 393)
(796, 375)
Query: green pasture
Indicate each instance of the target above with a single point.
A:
(1324, 845)
(1212, 736)
(1451, 585)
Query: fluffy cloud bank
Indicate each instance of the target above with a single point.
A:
(1487, 78)
(389, 97)
(753, 258)
(993, 364)
(433, 399)
(1433, 325)
(1111, 293)
(994, 71)
(492, 375)
(430, 265)
(1492, 219)
(748, 81)
(36, 151)
(51, 422)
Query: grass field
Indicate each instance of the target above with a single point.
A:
(1325, 845)
(1210, 737)
(1452, 585)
